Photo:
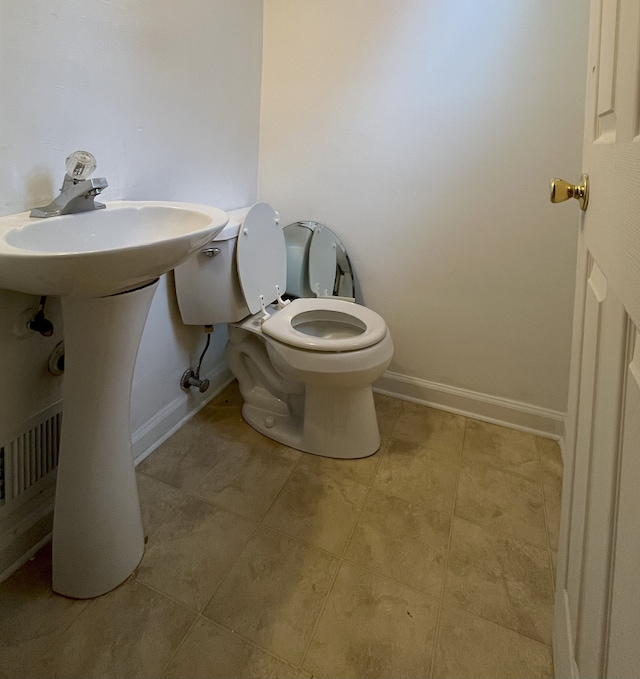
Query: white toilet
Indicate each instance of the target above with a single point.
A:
(304, 367)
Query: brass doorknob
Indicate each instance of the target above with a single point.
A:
(561, 191)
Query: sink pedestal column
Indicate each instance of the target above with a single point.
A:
(98, 538)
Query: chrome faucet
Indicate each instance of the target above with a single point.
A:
(77, 192)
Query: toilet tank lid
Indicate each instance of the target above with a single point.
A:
(236, 219)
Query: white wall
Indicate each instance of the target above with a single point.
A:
(166, 96)
(424, 132)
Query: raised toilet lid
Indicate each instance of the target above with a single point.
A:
(261, 256)
(325, 324)
(322, 261)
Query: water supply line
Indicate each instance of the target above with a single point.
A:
(192, 379)
(39, 323)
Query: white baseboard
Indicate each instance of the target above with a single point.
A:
(166, 422)
(25, 531)
(32, 550)
(564, 664)
(515, 414)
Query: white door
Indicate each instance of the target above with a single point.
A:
(597, 616)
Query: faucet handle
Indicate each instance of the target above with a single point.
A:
(80, 165)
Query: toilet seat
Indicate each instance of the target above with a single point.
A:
(326, 324)
(315, 324)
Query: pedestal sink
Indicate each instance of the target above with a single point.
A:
(105, 265)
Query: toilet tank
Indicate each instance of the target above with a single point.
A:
(207, 284)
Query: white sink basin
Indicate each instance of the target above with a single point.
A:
(102, 252)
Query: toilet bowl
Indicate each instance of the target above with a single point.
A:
(304, 367)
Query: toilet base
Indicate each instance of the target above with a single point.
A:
(337, 422)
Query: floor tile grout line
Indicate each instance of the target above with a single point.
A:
(422, 505)
(188, 495)
(381, 452)
(511, 471)
(448, 603)
(495, 531)
(382, 576)
(551, 550)
(324, 551)
(310, 544)
(248, 641)
(473, 614)
(436, 635)
(460, 464)
(546, 517)
(155, 478)
(252, 519)
(179, 646)
(491, 528)
(284, 483)
(542, 495)
(55, 641)
(231, 567)
(342, 559)
(347, 542)
(215, 505)
(364, 504)
(385, 576)
(300, 541)
(259, 524)
(553, 573)
(208, 501)
(395, 419)
(150, 534)
(307, 646)
(534, 485)
(168, 596)
(547, 513)
(201, 616)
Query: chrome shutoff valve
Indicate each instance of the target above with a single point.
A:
(189, 380)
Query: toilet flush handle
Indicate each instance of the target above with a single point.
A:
(211, 252)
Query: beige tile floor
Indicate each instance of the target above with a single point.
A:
(432, 558)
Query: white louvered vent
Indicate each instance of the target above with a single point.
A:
(28, 462)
